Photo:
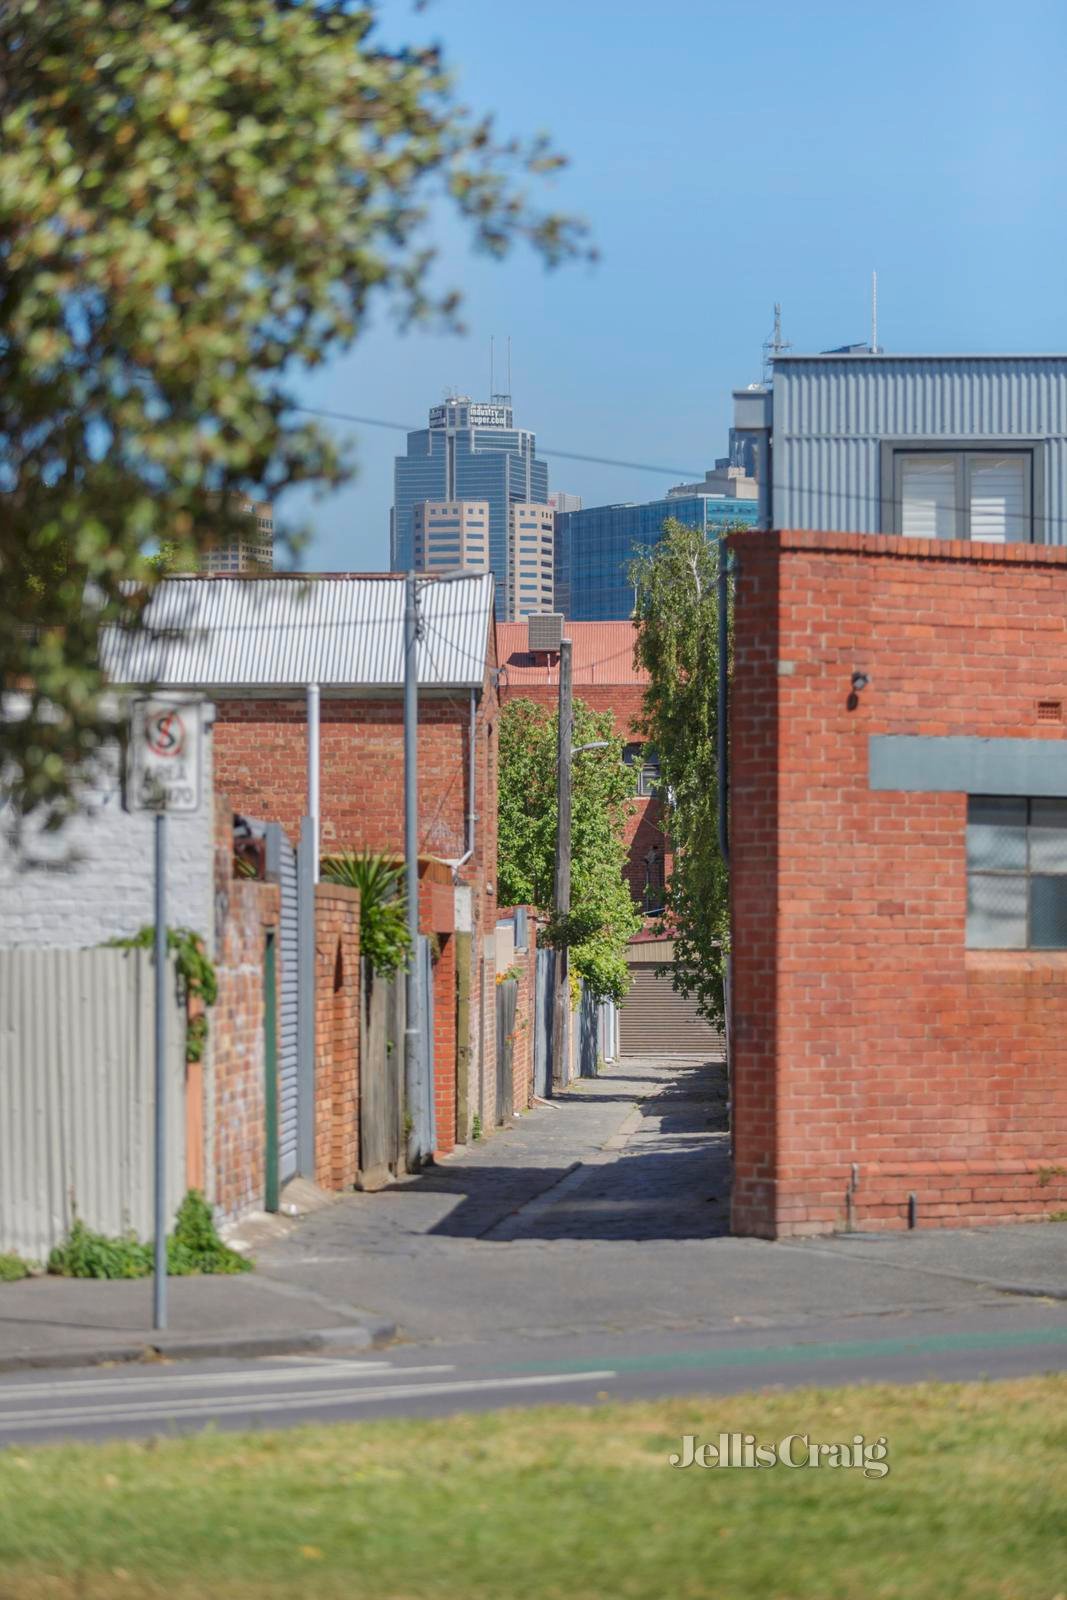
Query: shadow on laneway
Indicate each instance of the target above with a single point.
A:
(671, 1181)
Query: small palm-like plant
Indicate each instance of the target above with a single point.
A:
(383, 931)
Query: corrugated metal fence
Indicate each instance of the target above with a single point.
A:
(594, 1028)
(76, 1095)
(281, 865)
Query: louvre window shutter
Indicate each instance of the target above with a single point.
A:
(998, 499)
(928, 497)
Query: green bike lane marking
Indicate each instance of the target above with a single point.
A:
(782, 1354)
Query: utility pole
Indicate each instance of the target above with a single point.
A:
(562, 894)
(413, 1067)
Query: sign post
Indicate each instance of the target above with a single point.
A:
(164, 776)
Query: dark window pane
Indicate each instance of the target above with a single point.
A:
(1048, 835)
(1048, 913)
(996, 912)
(996, 834)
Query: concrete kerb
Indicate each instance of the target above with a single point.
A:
(195, 1347)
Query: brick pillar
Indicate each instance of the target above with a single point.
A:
(754, 887)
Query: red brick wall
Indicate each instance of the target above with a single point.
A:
(260, 753)
(522, 1070)
(337, 997)
(444, 1021)
(246, 910)
(864, 1031)
(260, 758)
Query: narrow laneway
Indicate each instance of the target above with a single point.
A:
(639, 1154)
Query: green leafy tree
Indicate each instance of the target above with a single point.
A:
(198, 200)
(676, 584)
(603, 914)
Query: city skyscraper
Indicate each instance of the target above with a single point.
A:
(251, 551)
(595, 546)
(471, 450)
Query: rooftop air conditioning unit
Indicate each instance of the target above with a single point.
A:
(545, 631)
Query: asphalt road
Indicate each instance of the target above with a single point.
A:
(1018, 1339)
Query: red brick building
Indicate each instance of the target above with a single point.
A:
(898, 835)
(254, 647)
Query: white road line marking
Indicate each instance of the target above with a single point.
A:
(192, 1380)
(183, 1409)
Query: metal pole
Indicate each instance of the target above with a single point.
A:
(413, 1086)
(159, 1298)
(562, 890)
(313, 767)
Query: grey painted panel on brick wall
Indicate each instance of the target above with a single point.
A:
(966, 765)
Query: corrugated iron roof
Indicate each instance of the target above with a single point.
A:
(281, 632)
(602, 652)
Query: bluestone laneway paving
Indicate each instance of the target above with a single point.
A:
(607, 1212)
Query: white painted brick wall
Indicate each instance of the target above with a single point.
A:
(94, 879)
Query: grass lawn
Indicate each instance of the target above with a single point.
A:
(567, 1502)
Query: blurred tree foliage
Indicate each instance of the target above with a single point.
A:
(603, 915)
(676, 611)
(198, 199)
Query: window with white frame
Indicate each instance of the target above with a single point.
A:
(1016, 873)
(984, 495)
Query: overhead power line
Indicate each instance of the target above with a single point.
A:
(542, 450)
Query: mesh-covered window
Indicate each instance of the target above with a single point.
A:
(1016, 873)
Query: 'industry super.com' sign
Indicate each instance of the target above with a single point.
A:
(165, 739)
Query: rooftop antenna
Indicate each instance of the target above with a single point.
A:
(874, 313)
(509, 366)
(492, 355)
(774, 346)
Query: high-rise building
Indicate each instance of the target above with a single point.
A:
(470, 451)
(455, 533)
(594, 548)
(560, 500)
(530, 560)
(252, 551)
(449, 534)
(725, 482)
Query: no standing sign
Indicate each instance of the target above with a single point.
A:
(165, 756)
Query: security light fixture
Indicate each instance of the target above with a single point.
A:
(860, 681)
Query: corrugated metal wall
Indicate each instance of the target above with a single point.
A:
(830, 417)
(281, 864)
(77, 1095)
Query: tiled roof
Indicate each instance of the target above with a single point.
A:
(602, 653)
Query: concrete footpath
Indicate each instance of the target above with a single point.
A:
(602, 1214)
(59, 1322)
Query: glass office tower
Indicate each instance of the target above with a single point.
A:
(470, 451)
(594, 548)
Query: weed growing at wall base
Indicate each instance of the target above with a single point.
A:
(194, 1247)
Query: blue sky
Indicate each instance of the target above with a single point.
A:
(726, 156)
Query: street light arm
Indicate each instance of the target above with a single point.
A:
(596, 744)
